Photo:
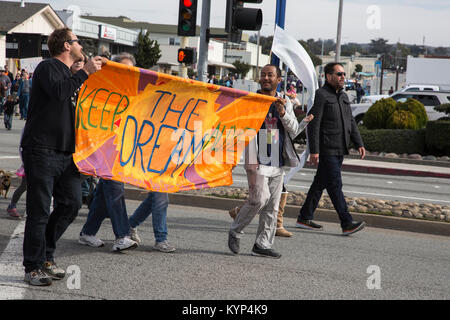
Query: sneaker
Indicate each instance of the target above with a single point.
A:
(268, 253)
(13, 213)
(353, 227)
(92, 241)
(53, 270)
(134, 235)
(164, 246)
(124, 244)
(233, 243)
(38, 278)
(308, 225)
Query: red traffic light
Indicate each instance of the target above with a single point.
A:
(187, 3)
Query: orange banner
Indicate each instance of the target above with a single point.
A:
(161, 132)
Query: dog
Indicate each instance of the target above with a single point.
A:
(5, 182)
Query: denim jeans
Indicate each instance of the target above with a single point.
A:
(7, 118)
(49, 173)
(108, 201)
(23, 105)
(156, 203)
(328, 176)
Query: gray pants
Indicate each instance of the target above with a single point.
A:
(264, 187)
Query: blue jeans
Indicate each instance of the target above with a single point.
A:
(23, 105)
(156, 203)
(328, 176)
(108, 201)
(49, 173)
(8, 120)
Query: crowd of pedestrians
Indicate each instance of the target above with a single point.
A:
(49, 171)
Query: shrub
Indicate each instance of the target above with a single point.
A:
(416, 108)
(437, 137)
(394, 140)
(443, 108)
(378, 114)
(402, 119)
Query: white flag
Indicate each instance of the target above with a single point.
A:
(291, 52)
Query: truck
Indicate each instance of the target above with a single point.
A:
(428, 71)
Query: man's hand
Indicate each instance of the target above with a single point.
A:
(279, 104)
(93, 65)
(308, 118)
(314, 158)
(362, 152)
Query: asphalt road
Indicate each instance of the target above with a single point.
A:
(385, 187)
(314, 265)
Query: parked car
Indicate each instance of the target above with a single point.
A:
(418, 87)
(430, 99)
(359, 109)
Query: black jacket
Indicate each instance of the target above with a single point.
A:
(333, 126)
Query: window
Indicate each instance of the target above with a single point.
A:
(428, 100)
(174, 41)
(412, 89)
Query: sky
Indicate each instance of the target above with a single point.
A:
(406, 21)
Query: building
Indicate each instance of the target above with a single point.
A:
(24, 29)
(98, 37)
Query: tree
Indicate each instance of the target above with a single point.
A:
(441, 51)
(379, 46)
(242, 68)
(358, 68)
(148, 52)
(315, 59)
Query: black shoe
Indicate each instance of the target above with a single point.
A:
(308, 224)
(233, 243)
(268, 253)
(353, 227)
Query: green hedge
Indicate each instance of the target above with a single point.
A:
(394, 140)
(437, 137)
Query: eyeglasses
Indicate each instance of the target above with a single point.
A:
(340, 74)
(73, 40)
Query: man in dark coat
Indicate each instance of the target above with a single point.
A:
(329, 135)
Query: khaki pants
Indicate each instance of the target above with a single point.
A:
(264, 185)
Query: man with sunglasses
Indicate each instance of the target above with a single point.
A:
(329, 135)
(48, 143)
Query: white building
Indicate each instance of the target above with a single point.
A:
(24, 29)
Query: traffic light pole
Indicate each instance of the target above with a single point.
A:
(202, 68)
(183, 68)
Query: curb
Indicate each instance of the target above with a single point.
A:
(291, 211)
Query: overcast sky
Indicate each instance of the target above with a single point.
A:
(407, 21)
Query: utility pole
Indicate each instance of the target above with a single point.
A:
(382, 73)
(202, 69)
(339, 28)
(257, 56)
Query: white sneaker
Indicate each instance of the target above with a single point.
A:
(92, 241)
(124, 244)
(164, 246)
(134, 235)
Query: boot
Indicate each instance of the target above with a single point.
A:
(233, 212)
(281, 231)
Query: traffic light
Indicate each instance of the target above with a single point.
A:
(187, 18)
(187, 55)
(239, 18)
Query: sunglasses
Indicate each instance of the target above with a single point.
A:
(340, 74)
(74, 40)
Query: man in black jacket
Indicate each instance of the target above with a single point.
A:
(48, 143)
(329, 135)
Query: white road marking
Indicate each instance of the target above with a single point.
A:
(9, 157)
(12, 273)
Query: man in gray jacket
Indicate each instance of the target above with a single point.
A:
(272, 149)
(329, 135)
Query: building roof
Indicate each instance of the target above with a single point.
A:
(12, 14)
(125, 22)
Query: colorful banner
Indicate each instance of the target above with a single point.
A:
(161, 132)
